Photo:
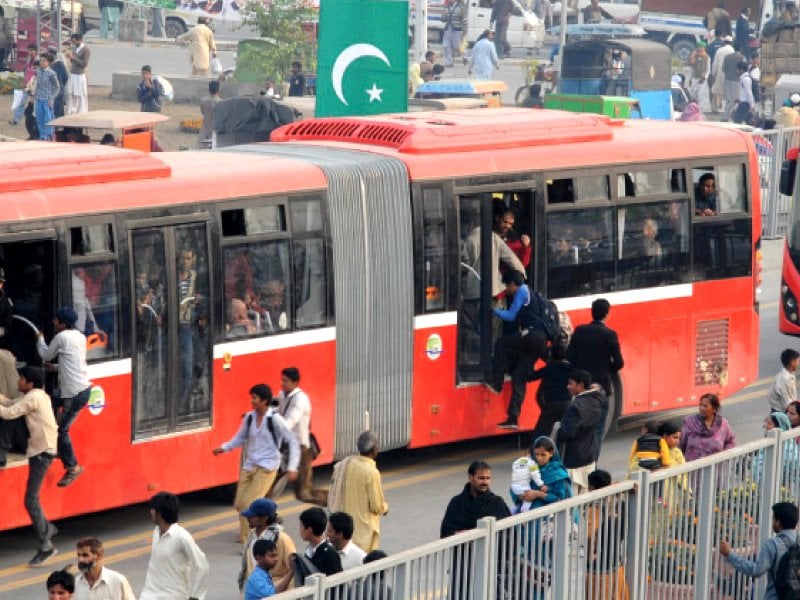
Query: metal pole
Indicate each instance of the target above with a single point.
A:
(562, 39)
(420, 30)
(38, 22)
(58, 24)
(778, 152)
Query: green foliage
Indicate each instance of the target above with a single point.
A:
(286, 26)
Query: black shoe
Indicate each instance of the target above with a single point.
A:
(70, 476)
(508, 424)
(493, 387)
(41, 557)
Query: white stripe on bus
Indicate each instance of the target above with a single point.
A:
(443, 319)
(652, 294)
(109, 369)
(275, 342)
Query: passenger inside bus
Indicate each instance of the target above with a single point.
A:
(272, 301)
(705, 196)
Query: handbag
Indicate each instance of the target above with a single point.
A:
(303, 567)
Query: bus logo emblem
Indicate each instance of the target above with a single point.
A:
(433, 347)
(97, 400)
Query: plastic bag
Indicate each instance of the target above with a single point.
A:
(18, 100)
(216, 66)
(166, 86)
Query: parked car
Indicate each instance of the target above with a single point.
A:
(176, 23)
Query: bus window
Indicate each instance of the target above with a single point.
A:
(722, 248)
(257, 288)
(91, 239)
(580, 257)
(652, 244)
(309, 264)
(433, 226)
(719, 190)
(578, 189)
(644, 183)
(95, 299)
(252, 221)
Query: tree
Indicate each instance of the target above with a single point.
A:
(288, 28)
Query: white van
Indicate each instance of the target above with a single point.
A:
(525, 29)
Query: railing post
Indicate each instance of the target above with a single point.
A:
(774, 179)
(561, 563)
(770, 492)
(705, 531)
(315, 583)
(637, 538)
(485, 561)
(401, 581)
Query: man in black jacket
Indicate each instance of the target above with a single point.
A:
(463, 511)
(582, 429)
(320, 551)
(595, 348)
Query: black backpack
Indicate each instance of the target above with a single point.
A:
(546, 316)
(787, 573)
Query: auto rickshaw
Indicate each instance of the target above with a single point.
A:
(640, 69)
(133, 130)
(490, 91)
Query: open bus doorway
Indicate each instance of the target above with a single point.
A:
(502, 221)
(30, 282)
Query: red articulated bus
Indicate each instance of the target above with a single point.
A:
(340, 249)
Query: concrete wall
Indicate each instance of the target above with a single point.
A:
(188, 90)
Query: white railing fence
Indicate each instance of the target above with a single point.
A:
(655, 537)
(772, 146)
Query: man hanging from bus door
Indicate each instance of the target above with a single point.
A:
(69, 346)
(521, 348)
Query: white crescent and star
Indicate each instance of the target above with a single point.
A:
(346, 58)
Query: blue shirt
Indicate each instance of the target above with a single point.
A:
(521, 298)
(767, 560)
(261, 450)
(259, 585)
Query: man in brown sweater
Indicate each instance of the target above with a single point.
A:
(77, 92)
(37, 409)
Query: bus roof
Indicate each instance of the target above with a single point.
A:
(514, 140)
(109, 119)
(87, 182)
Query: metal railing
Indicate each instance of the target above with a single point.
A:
(655, 536)
(772, 146)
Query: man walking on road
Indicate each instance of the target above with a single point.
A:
(295, 408)
(94, 581)
(500, 17)
(356, 489)
(177, 568)
(77, 87)
(783, 390)
(261, 434)
(202, 47)
(595, 348)
(455, 22)
(69, 346)
(582, 429)
(37, 409)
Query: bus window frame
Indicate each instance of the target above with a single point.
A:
(115, 256)
(740, 160)
(451, 245)
(549, 176)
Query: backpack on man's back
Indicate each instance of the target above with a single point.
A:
(787, 573)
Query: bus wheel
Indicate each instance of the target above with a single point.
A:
(611, 425)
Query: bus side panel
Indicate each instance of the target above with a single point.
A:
(119, 472)
(442, 412)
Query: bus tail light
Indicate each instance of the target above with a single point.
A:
(789, 303)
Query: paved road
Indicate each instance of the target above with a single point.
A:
(418, 484)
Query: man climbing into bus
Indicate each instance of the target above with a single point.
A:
(74, 387)
(518, 350)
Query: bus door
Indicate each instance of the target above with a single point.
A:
(484, 217)
(29, 261)
(171, 326)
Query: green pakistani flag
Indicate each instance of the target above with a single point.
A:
(362, 61)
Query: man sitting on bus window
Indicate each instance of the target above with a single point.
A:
(705, 196)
